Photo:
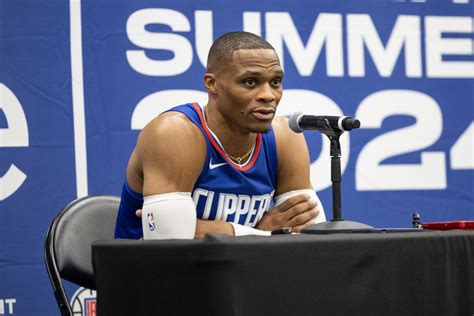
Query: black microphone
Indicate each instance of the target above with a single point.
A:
(300, 122)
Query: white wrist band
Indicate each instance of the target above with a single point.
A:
(241, 230)
(312, 194)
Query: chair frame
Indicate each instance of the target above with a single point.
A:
(51, 258)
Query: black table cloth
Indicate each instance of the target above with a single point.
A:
(427, 273)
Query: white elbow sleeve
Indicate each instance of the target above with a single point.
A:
(283, 197)
(169, 216)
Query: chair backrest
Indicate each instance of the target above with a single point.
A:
(68, 252)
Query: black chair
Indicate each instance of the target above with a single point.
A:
(68, 253)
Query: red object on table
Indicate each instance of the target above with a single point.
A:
(466, 225)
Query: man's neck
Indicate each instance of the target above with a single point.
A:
(235, 142)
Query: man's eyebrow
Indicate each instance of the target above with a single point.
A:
(258, 73)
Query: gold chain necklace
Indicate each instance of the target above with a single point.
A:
(240, 159)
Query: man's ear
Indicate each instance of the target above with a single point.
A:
(210, 83)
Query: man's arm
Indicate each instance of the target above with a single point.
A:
(293, 159)
(171, 152)
(168, 158)
(300, 210)
(204, 226)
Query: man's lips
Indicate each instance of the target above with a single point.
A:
(264, 114)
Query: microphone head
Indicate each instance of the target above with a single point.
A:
(348, 123)
(355, 123)
(294, 122)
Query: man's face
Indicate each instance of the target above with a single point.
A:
(249, 89)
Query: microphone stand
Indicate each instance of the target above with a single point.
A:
(337, 224)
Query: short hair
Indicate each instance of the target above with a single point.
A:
(222, 49)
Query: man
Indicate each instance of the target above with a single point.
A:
(225, 163)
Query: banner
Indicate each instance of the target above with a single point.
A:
(80, 79)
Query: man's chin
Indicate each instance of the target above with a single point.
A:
(261, 128)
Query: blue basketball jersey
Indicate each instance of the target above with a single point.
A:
(224, 190)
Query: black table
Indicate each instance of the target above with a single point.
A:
(427, 273)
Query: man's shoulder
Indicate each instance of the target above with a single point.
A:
(280, 122)
(171, 124)
(171, 129)
(286, 139)
(282, 129)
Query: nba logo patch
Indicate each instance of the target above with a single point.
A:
(151, 222)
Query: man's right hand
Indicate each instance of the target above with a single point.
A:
(297, 212)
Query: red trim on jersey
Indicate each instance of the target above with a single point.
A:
(221, 151)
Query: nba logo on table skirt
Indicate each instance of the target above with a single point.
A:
(151, 222)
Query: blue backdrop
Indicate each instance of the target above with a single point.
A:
(79, 79)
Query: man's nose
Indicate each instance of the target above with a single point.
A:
(266, 94)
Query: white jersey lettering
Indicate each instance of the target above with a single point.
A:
(236, 208)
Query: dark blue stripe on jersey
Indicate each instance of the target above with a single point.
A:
(128, 225)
